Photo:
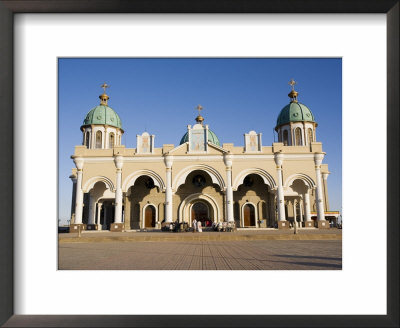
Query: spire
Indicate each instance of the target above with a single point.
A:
(199, 118)
(104, 98)
(293, 94)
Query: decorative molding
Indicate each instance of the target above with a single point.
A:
(130, 179)
(212, 172)
(267, 178)
(92, 181)
(308, 181)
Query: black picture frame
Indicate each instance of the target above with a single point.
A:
(10, 7)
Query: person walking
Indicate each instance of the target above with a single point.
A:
(194, 224)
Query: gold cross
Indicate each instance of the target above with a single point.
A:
(104, 86)
(199, 108)
(292, 83)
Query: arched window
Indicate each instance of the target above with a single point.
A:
(310, 136)
(87, 140)
(111, 140)
(298, 137)
(285, 137)
(99, 136)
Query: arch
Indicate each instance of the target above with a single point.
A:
(87, 139)
(285, 137)
(111, 140)
(92, 181)
(213, 173)
(305, 178)
(130, 179)
(194, 204)
(143, 223)
(255, 213)
(99, 139)
(267, 178)
(298, 136)
(186, 205)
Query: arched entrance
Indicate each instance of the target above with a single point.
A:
(150, 216)
(249, 215)
(185, 213)
(200, 212)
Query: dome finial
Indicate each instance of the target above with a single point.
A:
(199, 118)
(104, 98)
(293, 94)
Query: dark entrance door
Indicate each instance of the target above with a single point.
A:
(107, 215)
(150, 217)
(200, 213)
(249, 215)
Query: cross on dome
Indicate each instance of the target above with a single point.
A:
(293, 94)
(199, 118)
(104, 98)
(292, 83)
(104, 86)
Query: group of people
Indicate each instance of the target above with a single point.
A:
(197, 226)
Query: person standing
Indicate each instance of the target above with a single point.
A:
(194, 224)
(199, 229)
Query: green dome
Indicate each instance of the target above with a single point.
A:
(211, 138)
(103, 115)
(294, 112)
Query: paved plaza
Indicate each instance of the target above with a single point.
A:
(200, 255)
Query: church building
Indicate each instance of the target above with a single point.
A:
(255, 186)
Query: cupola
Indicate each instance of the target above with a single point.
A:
(295, 124)
(102, 127)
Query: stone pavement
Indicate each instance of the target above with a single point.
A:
(202, 255)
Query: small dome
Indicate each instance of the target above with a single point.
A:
(104, 115)
(211, 138)
(294, 112)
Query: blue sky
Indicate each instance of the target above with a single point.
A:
(159, 95)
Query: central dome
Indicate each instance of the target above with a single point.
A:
(211, 138)
(104, 115)
(294, 112)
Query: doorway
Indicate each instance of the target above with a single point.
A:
(150, 217)
(200, 213)
(249, 215)
(107, 214)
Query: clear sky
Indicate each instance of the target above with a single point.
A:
(160, 95)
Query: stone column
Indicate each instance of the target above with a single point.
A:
(307, 209)
(301, 212)
(79, 197)
(229, 192)
(272, 211)
(92, 210)
(318, 157)
(99, 205)
(118, 225)
(294, 212)
(105, 218)
(127, 213)
(73, 200)
(282, 223)
(93, 138)
(168, 160)
(326, 198)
